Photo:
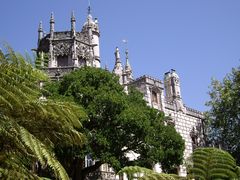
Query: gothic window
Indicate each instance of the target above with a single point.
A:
(62, 61)
(154, 97)
(82, 62)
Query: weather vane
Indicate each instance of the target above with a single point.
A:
(125, 41)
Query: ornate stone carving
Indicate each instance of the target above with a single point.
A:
(197, 136)
(62, 48)
(81, 50)
(83, 37)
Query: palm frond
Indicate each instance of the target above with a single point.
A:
(43, 154)
(157, 176)
(212, 163)
(29, 127)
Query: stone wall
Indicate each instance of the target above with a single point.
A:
(184, 124)
(186, 120)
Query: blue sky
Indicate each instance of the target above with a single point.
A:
(198, 38)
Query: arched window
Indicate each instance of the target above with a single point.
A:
(154, 97)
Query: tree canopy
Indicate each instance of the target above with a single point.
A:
(224, 115)
(118, 124)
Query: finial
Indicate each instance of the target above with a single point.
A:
(127, 66)
(126, 54)
(40, 32)
(52, 18)
(89, 17)
(117, 55)
(89, 10)
(73, 24)
(89, 7)
(40, 28)
(52, 25)
(73, 16)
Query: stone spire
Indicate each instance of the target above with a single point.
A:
(89, 17)
(74, 46)
(40, 32)
(128, 69)
(52, 23)
(52, 62)
(118, 69)
(127, 65)
(117, 56)
(73, 24)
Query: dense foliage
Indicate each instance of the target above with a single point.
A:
(31, 127)
(212, 163)
(118, 124)
(224, 115)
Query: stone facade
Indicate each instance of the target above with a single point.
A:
(166, 97)
(68, 50)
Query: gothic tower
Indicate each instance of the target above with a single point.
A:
(173, 90)
(172, 86)
(68, 50)
(91, 28)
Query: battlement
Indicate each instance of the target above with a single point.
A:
(148, 80)
(194, 113)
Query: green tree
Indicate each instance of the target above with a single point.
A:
(224, 115)
(30, 126)
(118, 124)
(212, 163)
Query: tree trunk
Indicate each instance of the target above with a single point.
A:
(76, 169)
(79, 172)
